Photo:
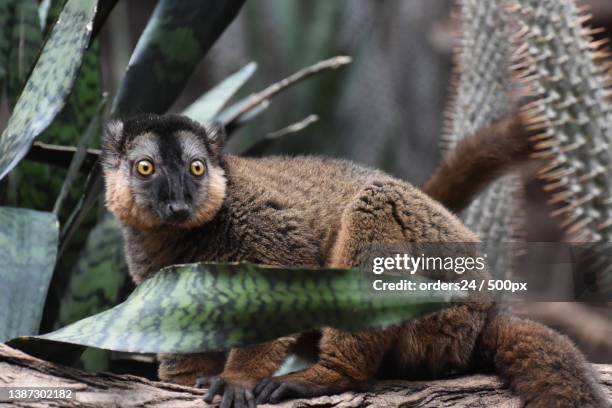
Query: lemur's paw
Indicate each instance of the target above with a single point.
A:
(235, 394)
(274, 390)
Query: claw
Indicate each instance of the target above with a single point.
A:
(264, 390)
(217, 385)
(250, 399)
(228, 399)
(233, 396)
(282, 392)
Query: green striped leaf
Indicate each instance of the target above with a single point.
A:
(50, 83)
(203, 307)
(178, 35)
(28, 246)
(26, 39)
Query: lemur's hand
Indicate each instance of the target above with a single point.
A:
(237, 392)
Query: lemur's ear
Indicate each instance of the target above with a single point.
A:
(112, 142)
(215, 137)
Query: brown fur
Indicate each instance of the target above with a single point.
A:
(185, 369)
(216, 195)
(478, 160)
(313, 211)
(120, 201)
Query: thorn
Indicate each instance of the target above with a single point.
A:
(604, 225)
(599, 43)
(545, 154)
(539, 137)
(584, 18)
(561, 211)
(546, 145)
(554, 186)
(592, 31)
(537, 126)
(560, 197)
(579, 225)
(557, 174)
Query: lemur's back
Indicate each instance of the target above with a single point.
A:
(306, 181)
(288, 210)
(300, 202)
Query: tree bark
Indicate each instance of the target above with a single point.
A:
(101, 390)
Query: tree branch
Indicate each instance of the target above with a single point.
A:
(18, 369)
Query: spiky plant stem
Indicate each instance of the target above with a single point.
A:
(565, 71)
(482, 95)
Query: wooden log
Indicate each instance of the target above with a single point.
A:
(18, 369)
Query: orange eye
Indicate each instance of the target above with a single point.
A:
(145, 168)
(197, 168)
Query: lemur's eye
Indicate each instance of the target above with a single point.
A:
(145, 168)
(197, 168)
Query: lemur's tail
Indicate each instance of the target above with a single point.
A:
(478, 160)
(541, 365)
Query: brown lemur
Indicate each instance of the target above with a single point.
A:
(179, 199)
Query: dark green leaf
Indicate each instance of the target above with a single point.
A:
(96, 283)
(26, 40)
(203, 307)
(94, 128)
(98, 277)
(28, 245)
(94, 186)
(176, 38)
(210, 104)
(50, 83)
(82, 105)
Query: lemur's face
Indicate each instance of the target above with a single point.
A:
(162, 170)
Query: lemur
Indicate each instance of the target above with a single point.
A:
(179, 199)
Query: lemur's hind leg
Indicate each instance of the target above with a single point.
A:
(383, 212)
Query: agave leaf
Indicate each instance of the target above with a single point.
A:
(26, 39)
(178, 35)
(204, 307)
(208, 105)
(28, 246)
(94, 186)
(82, 105)
(50, 83)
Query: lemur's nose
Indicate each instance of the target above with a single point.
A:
(178, 210)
